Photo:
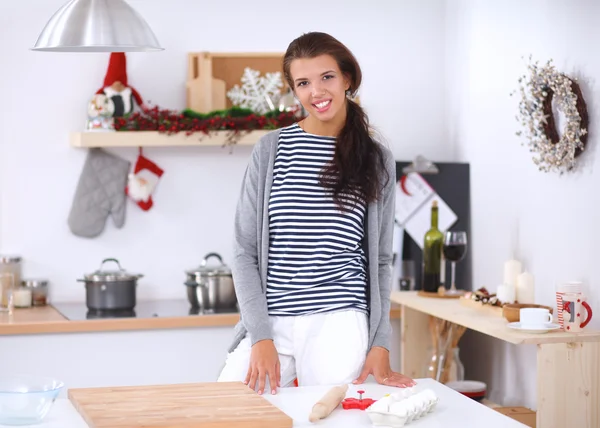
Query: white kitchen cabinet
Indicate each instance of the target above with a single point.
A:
(120, 358)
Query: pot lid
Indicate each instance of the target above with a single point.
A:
(204, 269)
(111, 275)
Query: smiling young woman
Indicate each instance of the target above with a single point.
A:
(313, 237)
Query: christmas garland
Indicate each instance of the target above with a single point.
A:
(235, 119)
(545, 86)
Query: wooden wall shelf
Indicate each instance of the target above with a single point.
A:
(156, 139)
(211, 74)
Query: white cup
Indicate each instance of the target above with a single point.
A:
(534, 317)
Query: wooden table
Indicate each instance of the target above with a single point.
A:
(297, 403)
(568, 364)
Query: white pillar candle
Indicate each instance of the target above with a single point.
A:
(525, 288)
(22, 298)
(512, 269)
(506, 293)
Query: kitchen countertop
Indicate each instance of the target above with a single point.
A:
(451, 411)
(70, 317)
(74, 318)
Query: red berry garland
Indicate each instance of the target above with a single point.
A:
(171, 122)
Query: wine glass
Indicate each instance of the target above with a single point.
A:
(455, 249)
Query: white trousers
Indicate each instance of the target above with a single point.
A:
(319, 349)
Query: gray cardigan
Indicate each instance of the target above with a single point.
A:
(251, 248)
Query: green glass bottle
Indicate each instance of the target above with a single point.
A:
(432, 253)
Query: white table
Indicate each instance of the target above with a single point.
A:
(451, 411)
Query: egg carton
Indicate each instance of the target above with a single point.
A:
(401, 408)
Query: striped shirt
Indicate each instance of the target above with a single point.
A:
(316, 261)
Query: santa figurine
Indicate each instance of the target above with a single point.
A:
(117, 88)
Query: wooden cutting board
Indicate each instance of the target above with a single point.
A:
(196, 405)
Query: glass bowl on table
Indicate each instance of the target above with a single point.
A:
(26, 399)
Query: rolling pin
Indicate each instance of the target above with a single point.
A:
(328, 403)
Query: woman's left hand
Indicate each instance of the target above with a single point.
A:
(378, 364)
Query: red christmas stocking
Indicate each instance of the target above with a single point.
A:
(142, 182)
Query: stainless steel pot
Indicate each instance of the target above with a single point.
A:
(110, 290)
(210, 288)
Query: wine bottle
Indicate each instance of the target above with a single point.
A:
(432, 253)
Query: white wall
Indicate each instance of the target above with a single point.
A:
(400, 47)
(547, 221)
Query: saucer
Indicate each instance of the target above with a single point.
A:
(543, 328)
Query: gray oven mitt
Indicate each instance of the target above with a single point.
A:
(100, 192)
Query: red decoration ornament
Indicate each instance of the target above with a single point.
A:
(170, 122)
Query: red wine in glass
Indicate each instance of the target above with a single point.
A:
(455, 252)
(455, 249)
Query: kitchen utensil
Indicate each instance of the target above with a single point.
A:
(328, 403)
(210, 288)
(443, 333)
(26, 399)
(573, 311)
(110, 289)
(512, 311)
(198, 405)
(453, 367)
(359, 403)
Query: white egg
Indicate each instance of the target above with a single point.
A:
(382, 405)
(397, 396)
(420, 403)
(399, 409)
(408, 392)
(430, 395)
(410, 405)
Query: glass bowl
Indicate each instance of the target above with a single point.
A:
(26, 399)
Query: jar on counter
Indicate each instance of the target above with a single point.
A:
(11, 264)
(39, 291)
(22, 297)
(10, 268)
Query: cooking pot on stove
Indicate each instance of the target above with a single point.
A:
(110, 289)
(210, 288)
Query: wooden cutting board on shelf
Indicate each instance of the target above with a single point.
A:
(195, 405)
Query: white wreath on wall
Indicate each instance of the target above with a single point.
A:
(545, 85)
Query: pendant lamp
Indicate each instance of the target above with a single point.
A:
(96, 26)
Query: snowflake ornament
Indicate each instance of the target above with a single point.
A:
(258, 93)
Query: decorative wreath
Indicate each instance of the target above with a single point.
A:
(543, 87)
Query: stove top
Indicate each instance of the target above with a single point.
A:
(144, 309)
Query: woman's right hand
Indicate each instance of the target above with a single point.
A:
(264, 361)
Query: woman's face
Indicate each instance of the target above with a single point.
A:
(320, 86)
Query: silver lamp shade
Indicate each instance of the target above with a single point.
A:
(97, 26)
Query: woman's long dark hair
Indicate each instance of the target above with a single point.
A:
(358, 162)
